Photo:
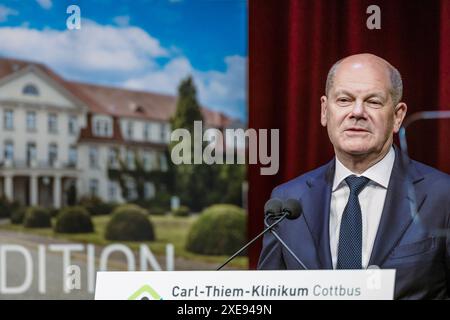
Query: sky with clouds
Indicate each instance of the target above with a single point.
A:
(141, 44)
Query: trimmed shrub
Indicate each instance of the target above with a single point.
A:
(182, 211)
(220, 230)
(37, 217)
(130, 223)
(74, 220)
(18, 215)
(95, 206)
(7, 207)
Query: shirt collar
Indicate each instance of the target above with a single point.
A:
(379, 173)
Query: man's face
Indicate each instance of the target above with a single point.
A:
(358, 112)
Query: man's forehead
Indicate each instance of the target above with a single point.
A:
(362, 79)
(365, 60)
(375, 71)
(355, 91)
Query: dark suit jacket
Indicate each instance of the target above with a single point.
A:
(413, 235)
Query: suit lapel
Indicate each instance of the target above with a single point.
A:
(400, 207)
(316, 210)
(402, 203)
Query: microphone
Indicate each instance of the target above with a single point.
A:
(272, 208)
(293, 209)
(275, 208)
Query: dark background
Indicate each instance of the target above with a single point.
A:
(292, 45)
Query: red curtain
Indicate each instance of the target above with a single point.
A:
(293, 43)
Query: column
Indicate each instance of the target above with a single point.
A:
(8, 187)
(34, 190)
(57, 192)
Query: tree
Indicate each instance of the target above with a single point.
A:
(190, 179)
(188, 109)
(200, 185)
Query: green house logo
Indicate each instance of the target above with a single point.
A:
(145, 292)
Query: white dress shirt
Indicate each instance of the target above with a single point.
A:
(371, 200)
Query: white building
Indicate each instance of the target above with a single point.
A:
(56, 133)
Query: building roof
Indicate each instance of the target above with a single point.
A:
(117, 102)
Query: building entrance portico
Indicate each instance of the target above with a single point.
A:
(47, 188)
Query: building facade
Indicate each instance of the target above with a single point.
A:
(57, 135)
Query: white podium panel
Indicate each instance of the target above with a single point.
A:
(246, 285)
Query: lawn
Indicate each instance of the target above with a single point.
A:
(168, 229)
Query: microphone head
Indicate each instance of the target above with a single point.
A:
(293, 207)
(273, 207)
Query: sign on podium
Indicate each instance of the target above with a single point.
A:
(246, 285)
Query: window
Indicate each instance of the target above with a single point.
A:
(112, 157)
(93, 187)
(73, 125)
(132, 192)
(93, 157)
(147, 160)
(31, 153)
(162, 132)
(98, 128)
(102, 128)
(8, 120)
(112, 191)
(130, 159)
(52, 123)
(31, 121)
(9, 151)
(107, 131)
(163, 162)
(30, 89)
(73, 156)
(139, 109)
(52, 154)
(147, 127)
(130, 130)
(149, 190)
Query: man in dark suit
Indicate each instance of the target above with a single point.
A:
(371, 205)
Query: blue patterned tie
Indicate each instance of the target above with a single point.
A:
(350, 235)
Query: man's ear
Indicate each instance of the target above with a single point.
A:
(323, 110)
(399, 115)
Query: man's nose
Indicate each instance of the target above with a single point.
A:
(358, 109)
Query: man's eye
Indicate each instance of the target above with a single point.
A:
(375, 102)
(343, 100)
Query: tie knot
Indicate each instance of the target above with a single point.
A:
(356, 184)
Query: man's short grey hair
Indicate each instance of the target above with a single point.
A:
(396, 90)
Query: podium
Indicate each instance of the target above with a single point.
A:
(366, 284)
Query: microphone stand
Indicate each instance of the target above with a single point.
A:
(269, 227)
(283, 243)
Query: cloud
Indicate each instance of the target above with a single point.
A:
(126, 56)
(122, 21)
(165, 79)
(224, 91)
(46, 4)
(93, 48)
(5, 12)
